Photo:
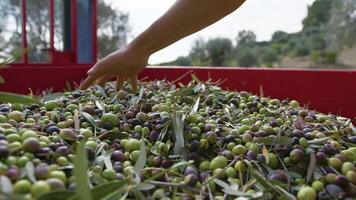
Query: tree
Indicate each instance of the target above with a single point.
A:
(280, 37)
(113, 28)
(318, 13)
(246, 38)
(219, 51)
(246, 58)
(199, 54)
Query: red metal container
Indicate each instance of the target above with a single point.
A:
(328, 91)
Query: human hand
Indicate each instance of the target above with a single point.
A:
(123, 64)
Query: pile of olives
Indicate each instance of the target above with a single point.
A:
(238, 145)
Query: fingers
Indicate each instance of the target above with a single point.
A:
(102, 80)
(87, 82)
(119, 82)
(133, 80)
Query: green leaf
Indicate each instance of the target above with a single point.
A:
(30, 172)
(271, 140)
(106, 189)
(178, 125)
(182, 164)
(141, 161)
(101, 90)
(88, 118)
(184, 91)
(145, 186)
(101, 107)
(52, 96)
(81, 174)
(243, 194)
(222, 184)
(196, 106)
(76, 120)
(5, 185)
(17, 98)
(311, 167)
(57, 195)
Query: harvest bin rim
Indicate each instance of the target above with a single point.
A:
(325, 90)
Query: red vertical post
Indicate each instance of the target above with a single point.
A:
(24, 32)
(73, 27)
(94, 21)
(51, 28)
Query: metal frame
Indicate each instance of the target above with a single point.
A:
(70, 55)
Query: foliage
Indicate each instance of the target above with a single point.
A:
(329, 27)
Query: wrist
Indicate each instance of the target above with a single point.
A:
(142, 45)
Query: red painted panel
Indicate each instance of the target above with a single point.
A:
(324, 90)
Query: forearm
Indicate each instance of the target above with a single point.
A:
(182, 19)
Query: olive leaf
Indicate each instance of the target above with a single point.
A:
(57, 195)
(178, 125)
(30, 172)
(88, 118)
(106, 189)
(101, 107)
(76, 120)
(141, 161)
(101, 90)
(271, 140)
(311, 167)
(81, 173)
(196, 106)
(17, 98)
(5, 185)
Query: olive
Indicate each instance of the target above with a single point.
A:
(306, 193)
(109, 118)
(16, 115)
(117, 156)
(251, 155)
(109, 174)
(342, 181)
(279, 175)
(68, 134)
(321, 158)
(22, 187)
(55, 184)
(297, 155)
(42, 171)
(40, 187)
(31, 145)
(351, 176)
(191, 180)
(218, 162)
(335, 191)
(4, 151)
(190, 170)
(63, 150)
(330, 149)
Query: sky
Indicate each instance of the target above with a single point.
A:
(264, 17)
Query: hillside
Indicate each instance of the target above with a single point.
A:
(327, 40)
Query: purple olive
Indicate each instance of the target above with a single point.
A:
(279, 175)
(190, 170)
(251, 155)
(321, 158)
(42, 171)
(117, 156)
(63, 150)
(329, 149)
(31, 145)
(335, 191)
(4, 151)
